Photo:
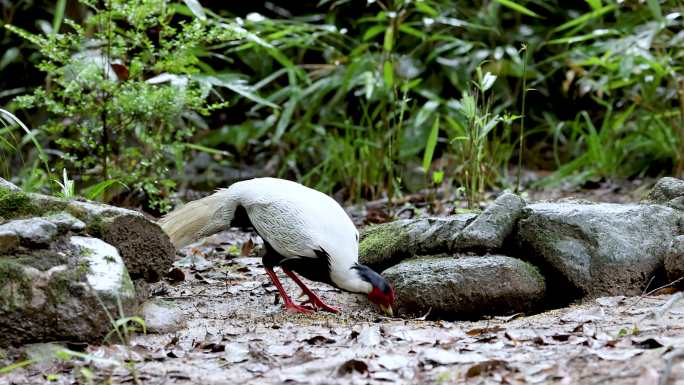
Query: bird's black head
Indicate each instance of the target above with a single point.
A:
(381, 292)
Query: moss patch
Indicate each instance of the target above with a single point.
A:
(15, 204)
(15, 285)
(535, 273)
(383, 242)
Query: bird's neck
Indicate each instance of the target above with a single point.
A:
(349, 280)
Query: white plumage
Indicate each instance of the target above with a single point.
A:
(295, 220)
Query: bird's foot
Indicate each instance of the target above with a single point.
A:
(320, 305)
(291, 306)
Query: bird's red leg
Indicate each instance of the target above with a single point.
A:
(288, 303)
(313, 298)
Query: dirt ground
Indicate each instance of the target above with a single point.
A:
(237, 334)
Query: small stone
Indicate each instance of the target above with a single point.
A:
(66, 222)
(36, 231)
(9, 241)
(489, 230)
(465, 287)
(674, 260)
(666, 189)
(162, 317)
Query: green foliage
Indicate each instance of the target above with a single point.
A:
(123, 96)
(364, 101)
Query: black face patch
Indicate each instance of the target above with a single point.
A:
(241, 219)
(375, 279)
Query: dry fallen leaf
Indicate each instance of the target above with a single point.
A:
(486, 330)
(448, 357)
(247, 248)
(369, 336)
(392, 361)
(485, 367)
(352, 366)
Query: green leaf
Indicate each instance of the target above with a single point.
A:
(60, 7)
(594, 4)
(584, 18)
(237, 85)
(431, 145)
(437, 177)
(373, 32)
(196, 9)
(654, 7)
(588, 36)
(285, 116)
(411, 31)
(517, 7)
(424, 7)
(96, 191)
(388, 73)
(16, 365)
(389, 39)
(8, 57)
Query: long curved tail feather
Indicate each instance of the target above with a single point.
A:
(192, 221)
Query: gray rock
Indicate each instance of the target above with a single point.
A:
(33, 231)
(465, 287)
(59, 293)
(602, 249)
(386, 244)
(9, 241)
(162, 317)
(66, 222)
(666, 189)
(489, 230)
(144, 246)
(674, 259)
(8, 185)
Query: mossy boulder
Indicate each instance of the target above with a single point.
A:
(144, 246)
(60, 293)
(465, 287)
(387, 244)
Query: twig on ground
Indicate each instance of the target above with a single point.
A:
(643, 295)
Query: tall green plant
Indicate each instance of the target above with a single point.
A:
(123, 95)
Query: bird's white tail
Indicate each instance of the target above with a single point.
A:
(188, 223)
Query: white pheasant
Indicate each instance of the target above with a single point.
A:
(304, 231)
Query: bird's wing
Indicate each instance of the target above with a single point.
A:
(284, 227)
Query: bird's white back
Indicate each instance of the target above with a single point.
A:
(296, 220)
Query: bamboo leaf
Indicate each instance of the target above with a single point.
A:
(517, 7)
(431, 145)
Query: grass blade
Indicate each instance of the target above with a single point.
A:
(431, 145)
(519, 8)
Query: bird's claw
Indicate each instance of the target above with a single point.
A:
(298, 308)
(319, 305)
